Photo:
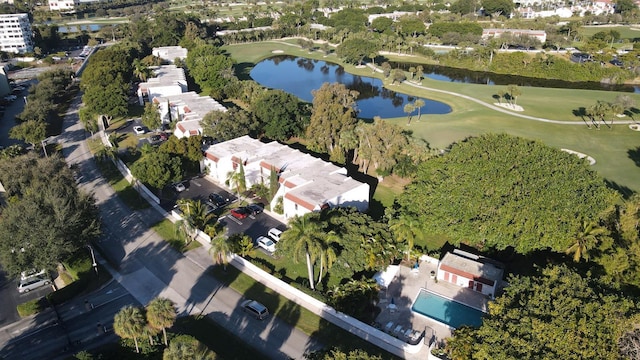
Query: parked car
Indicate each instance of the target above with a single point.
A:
(240, 213)
(32, 283)
(155, 139)
(255, 309)
(255, 208)
(163, 136)
(266, 243)
(275, 234)
(179, 187)
(138, 130)
(218, 200)
(32, 273)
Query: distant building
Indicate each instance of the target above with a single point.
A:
(393, 16)
(170, 53)
(471, 271)
(187, 109)
(305, 183)
(168, 80)
(15, 33)
(538, 34)
(63, 5)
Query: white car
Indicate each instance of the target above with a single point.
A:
(267, 244)
(275, 234)
(32, 283)
(179, 187)
(31, 273)
(138, 130)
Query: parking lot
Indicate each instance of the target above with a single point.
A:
(199, 188)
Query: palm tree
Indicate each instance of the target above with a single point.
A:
(514, 92)
(419, 72)
(237, 180)
(302, 238)
(140, 70)
(129, 323)
(220, 251)
(161, 314)
(588, 236)
(327, 253)
(187, 347)
(194, 217)
(409, 109)
(406, 228)
(418, 104)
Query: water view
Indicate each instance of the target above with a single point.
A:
(78, 28)
(448, 312)
(300, 76)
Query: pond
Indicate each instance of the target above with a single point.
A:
(78, 28)
(300, 76)
(449, 74)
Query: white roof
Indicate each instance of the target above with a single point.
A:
(164, 75)
(170, 53)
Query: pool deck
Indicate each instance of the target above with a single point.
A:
(404, 289)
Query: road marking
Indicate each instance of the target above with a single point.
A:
(196, 183)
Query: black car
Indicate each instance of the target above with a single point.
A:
(218, 200)
(255, 208)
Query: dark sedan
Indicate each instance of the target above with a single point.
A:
(255, 208)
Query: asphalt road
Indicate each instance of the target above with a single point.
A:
(62, 331)
(11, 110)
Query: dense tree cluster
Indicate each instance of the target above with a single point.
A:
(46, 219)
(210, 69)
(498, 191)
(558, 314)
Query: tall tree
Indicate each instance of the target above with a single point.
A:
(280, 113)
(333, 113)
(302, 239)
(129, 323)
(418, 104)
(151, 116)
(220, 250)
(31, 131)
(161, 314)
(209, 68)
(187, 347)
(354, 50)
(406, 229)
(588, 236)
(237, 179)
(158, 169)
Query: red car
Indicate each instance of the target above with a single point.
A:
(240, 213)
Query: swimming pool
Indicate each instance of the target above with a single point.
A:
(448, 312)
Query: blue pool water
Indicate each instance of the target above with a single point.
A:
(446, 311)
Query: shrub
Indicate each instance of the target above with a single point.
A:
(30, 308)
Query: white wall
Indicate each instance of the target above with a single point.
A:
(358, 197)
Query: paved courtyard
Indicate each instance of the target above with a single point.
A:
(402, 292)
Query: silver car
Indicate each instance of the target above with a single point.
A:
(32, 283)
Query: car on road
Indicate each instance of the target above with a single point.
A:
(138, 130)
(32, 273)
(266, 243)
(274, 233)
(255, 208)
(154, 139)
(218, 200)
(179, 187)
(32, 283)
(254, 308)
(240, 213)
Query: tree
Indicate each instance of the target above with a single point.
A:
(209, 68)
(157, 169)
(585, 240)
(151, 116)
(419, 73)
(406, 229)
(161, 314)
(419, 103)
(410, 25)
(338, 354)
(237, 179)
(333, 113)
(409, 109)
(31, 131)
(353, 51)
(228, 125)
(514, 92)
(498, 191)
(141, 71)
(501, 7)
(220, 250)
(281, 114)
(302, 238)
(566, 316)
(381, 24)
(354, 297)
(625, 6)
(187, 347)
(397, 75)
(195, 216)
(46, 219)
(129, 323)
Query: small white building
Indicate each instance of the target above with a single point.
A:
(63, 5)
(170, 53)
(305, 183)
(169, 80)
(471, 271)
(187, 109)
(15, 33)
(538, 34)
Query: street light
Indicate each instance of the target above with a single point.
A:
(93, 258)
(44, 143)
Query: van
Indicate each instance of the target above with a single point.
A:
(32, 283)
(256, 309)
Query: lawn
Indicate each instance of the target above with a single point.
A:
(626, 32)
(615, 150)
(167, 230)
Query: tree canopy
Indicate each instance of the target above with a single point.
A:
(500, 191)
(354, 50)
(557, 314)
(157, 169)
(46, 218)
(280, 113)
(210, 69)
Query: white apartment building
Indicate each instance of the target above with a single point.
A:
(15, 33)
(168, 80)
(170, 53)
(62, 5)
(305, 183)
(187, 109)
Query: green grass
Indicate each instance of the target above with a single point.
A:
(626, 32)
(610, 148)
(167, 230)
(30, 307)
(293, 314)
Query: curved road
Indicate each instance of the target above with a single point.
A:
(148, 267)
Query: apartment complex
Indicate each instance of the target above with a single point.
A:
(187, 109)
(15, 33)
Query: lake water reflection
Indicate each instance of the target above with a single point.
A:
(300, 76)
